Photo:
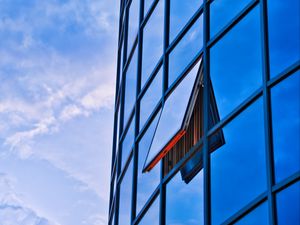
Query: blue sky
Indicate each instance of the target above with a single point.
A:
(57, 75)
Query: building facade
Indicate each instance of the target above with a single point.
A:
(207, 113)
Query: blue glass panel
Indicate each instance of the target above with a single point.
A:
(121, 62)
(284, 34)
(128, 142)
(286, 126)
(118, 130)
(288, 205)
(180, 13)
(258, 216)
(152, 215)
(151, 98)
(147, 5)
(125, 197)
(173, 114)
(186, 50)
(236, 64)
(146, 183)
(152, 41)
(223, 11)
(130, 87)
(238, 170)
(133, 23)
(184, 202)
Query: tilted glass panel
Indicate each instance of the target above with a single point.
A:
(146, 183)
(186, 50)
(125, 197)
(147, 5)
(180, 13)
(130, 87)
(236, 64)
(288, 205)
(128, 142)
(133, 23)
(172, 116)
(151, 98)
(185, 202)
(257, 216)
(285, 98)
(223, 11)
(284, 34)
(152, 41)
(152, 215)
(238, 169)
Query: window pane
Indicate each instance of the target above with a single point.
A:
(121, 62)
(133, 23)
(223, 11)
(186, 50)
(238, 170)
(236, 67)
(151, 98)
(152, 215)
(118, 130)
(128, 142)
(286, 126)
(180, 13)
(146, 183)
(184, 202)
(288, 205)
(125, 197)
(153, 41)
(284, 34)
(130, 88)
(258, 216)
(147, 5)
(173, 114)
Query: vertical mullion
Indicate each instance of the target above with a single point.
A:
(206, 156)
(267, 113)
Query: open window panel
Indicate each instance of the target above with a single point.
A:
(175, 116)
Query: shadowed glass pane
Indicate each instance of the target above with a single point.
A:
(285, 98)
(152, 215)
(184, 202)
(152, 41)
(238, 170)
(257, 216)
(223, 11)
(288, 205)
(236, 64)
(128, 142)
(180, 13)
(130, 87)
(284, 34)
(151, 98)
(125, 197)
(173, 114)
(147, 182)
(133, 23)
(186, 50)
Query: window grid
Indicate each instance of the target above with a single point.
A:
(264, 91)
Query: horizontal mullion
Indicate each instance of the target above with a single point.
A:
(125, 167)
(286, 182)
(149, 13)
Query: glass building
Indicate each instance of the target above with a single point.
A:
(207, 113)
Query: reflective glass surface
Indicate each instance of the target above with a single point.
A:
(285, 98)
(184, 202)
(284, 34)
(125, 197)
(151, 98)
(152, 215)
(118, 130)
(147, 5)
(130, 87)
(186, 50)
(288, 205)
(173, 114)
(133, 23)
(152, 41)
(257, 216)
(236, 64)
(128, 142)
(121, 62)
(180, 13)
(147, 182)
(238, 170)
(223, 11)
